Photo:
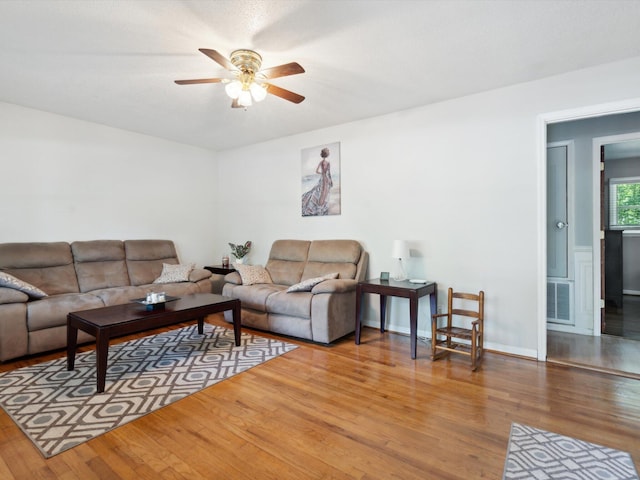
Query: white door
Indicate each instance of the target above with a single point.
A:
(560, 287)
(557, 213)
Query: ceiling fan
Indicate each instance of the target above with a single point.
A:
(250, 81)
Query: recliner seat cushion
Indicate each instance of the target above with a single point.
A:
(284, 303)
(253, 296)
(52, 311)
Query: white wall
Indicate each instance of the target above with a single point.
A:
(459, 180)
(63, 180)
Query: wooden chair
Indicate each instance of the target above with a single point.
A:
(463, 309)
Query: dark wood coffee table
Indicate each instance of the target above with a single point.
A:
(107, 322)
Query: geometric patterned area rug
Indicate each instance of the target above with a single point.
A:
(58, 409)
(540, 455)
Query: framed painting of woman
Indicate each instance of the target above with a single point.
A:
(321, 180)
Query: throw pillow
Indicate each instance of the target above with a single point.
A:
(252, 274)
(10, 281)
(309, 283)
(175, 273)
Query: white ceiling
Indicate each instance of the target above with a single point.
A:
(114, 62)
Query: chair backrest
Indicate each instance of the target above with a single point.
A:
(466, 304)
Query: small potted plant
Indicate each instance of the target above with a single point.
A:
(240, 251)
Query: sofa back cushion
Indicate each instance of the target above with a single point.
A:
(48, 266)
(100, 264)
(333, 256)
(145, 258)
(287, 260)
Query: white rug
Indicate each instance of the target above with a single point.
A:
(540, 455)
(58, 409)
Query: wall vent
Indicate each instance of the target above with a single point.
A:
(559, 301)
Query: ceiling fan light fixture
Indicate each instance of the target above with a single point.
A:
(233, 89)
(249, 83)
(258, 92)
(244, 99)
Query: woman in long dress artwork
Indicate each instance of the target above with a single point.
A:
(316, 200)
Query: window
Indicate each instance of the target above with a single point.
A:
(624, 202)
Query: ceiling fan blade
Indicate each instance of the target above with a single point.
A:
(285, 70)
(282, 93)
(200, 80)
(218, 58)
(235, 104)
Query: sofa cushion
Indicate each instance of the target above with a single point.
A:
(178, 289)
(252, 274)
(282, 303)
(120, 295)
(9, 281)
(253, 296)
(52, 311)
(146, 257)
(198, 274)
(11, 295)
(100, 264)
(326, 256)
(307, 285)
(175, 273)
(46, 265)
(287, 259)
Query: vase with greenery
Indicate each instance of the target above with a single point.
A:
(240, 251)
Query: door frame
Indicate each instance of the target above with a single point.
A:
(543, 120)
(598, 142)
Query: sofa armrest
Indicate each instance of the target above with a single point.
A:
(335, 286)
(10, 295)
(233, 277)
(198, 274)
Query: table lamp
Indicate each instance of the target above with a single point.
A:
(400, 251)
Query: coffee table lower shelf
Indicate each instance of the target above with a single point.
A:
(108, 322)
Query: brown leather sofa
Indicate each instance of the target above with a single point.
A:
(324, 313)
(79, 276)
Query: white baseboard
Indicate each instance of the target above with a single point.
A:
(496, 347)
(569, 329)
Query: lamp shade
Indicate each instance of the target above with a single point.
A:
(244, 99)
(233, 89)
(258, 92)
(400, 249)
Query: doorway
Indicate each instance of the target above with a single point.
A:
(604, 120)
(620, 218)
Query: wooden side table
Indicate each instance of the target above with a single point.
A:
(394, 288)
(217, 279)
(219, 269)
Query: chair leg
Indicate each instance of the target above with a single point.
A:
(474, 347)
(434, 339)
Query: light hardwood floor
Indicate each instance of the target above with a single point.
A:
(347, 412)
(616, 351)
(607, 353)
